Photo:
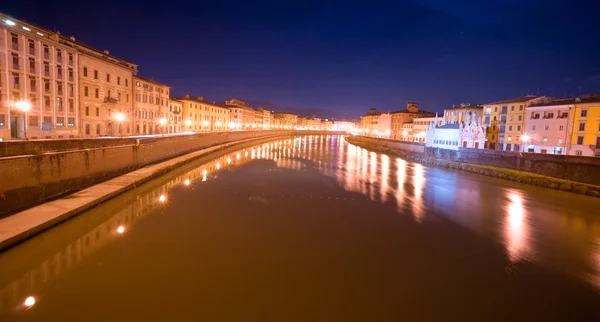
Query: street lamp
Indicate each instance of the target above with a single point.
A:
(525, 138)
(188, 123)
(163, 122)
(24, 106)
(206, 124)
(120, 117)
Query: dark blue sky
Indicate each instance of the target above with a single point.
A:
(343, 57)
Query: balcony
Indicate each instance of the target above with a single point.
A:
(564, 116)
(110, 100)
(535, 117)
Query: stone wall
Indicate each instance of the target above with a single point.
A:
(391, 144)
(574, 168)
(30, 179)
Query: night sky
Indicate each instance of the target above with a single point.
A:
(340, 58)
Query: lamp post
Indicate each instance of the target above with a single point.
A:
(24, 107)
(120, 117)
(188, 123)
(163, 122)
(525, 138)
(206, 124)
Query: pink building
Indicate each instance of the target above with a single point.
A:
(547, 127)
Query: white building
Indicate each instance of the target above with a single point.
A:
(470, 134)
(547, 127)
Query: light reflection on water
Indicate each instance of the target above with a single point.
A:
(481, 204)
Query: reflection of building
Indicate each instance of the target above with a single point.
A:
(509, 116)
(376, 124)
(546, 127)
(151, 101)
(174, 116)
(585, 140)
(398, 130)
(105, 91)
(40, 67)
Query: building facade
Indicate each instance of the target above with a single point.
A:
(105, 93)
(204, 116)
(585, 139)
(509, 117)
(406, 116)
(459, 114)
(420, 127)
(151, 101)
(263, 118)
(284, 120)
(241, 114)
(38, 83)
(376, 124)
(547, 127)
(174, 117)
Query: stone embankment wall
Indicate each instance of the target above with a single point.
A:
(26, 180)
(567, 173)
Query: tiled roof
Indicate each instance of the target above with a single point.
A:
(146, 79)
(521, 99)
(406, 111)
(567, 101)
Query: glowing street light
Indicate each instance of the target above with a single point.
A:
(30, 301)
(188, 123)
(120, 117)
(24, 107)
(121, 229)
(187, 182)
(162, 198)
(163, 122)
(525, 138)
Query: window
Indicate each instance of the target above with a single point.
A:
(70, 59)
(71, 121)
(47, 104)
(533, 127)
(519, 128)
(87, 129)
(15, 77)
(108, 77)
(520, 107)
(15, 41)
(582, 126)
(95, 74)
(59, 88)
(561, 127)
(580, 139)
(15, 61)
(85, 91)
(546, 127)
(510, 127)
(126, 82)
(48, 120)
(98, 129)
(46, 69)
(32, 65)
(512, 118)
(71, 106)
(512, 108)
(70, 74)
(34, 120)
(85, 71)
(46, 52)
(59, 104)
(108, 93)
(118, 80)
(496, 109)
(578, 152)
(60, 121)
(59, 55)
(520, 117)
(493, 137)
(59, 71)
(127, 98)
(119, 96)
(545, 139)
(32, 84)
(87, 111)
(583, 113)
(97, 93)
(97, 111)
(2, 119)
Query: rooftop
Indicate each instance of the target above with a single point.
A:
(146, 79)
(464, 106)
(521, 99)
(567, 101)
(423, 113)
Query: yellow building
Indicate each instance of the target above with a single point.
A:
(585, 139)
(204, 116)
(243, 117)
(151, 101)
(284, 120)
(509, 117)
(406, 116)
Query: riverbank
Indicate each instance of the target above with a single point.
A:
(492, 171)
(25, 224)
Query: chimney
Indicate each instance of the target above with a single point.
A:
(72, 37)
(105, 51)
(200, 98)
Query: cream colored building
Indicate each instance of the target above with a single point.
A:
(284, 120)
(420, 127)
(376, 124)
(263, 118)
(174, 117)
(151, 102)
(37, 67)
(241, 114)
(204, 116)
(105, 92)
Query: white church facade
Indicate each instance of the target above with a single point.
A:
(470, 134)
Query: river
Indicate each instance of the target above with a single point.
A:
(312, 228)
